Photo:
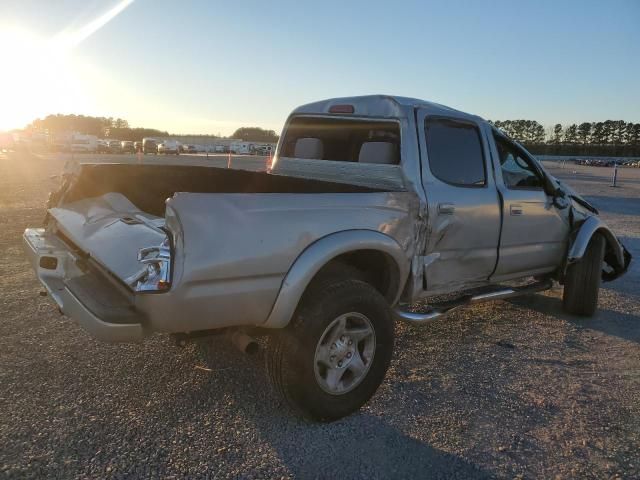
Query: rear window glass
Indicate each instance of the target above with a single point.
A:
(344, 140)
(455, 152)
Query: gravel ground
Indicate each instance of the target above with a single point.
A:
(507, 389)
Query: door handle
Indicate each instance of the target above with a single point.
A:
(446, 208)
(516, 210)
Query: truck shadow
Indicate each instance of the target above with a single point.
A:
(629, 284)
(629, 205)
(359, 446)
(622, 325)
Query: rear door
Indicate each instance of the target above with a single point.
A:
(534, 233)
(464, 212)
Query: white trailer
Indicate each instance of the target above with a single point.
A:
(241, 148)
(84, 143)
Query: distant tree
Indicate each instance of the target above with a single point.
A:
(120, 123)
(609, 131)
(538, 133)
(68, 123)
(632, 134)
(256, 134)
(584, 132)
(619, 131)
(135, 134)
(556, 139)
(518, 130)
(598, 134)
(571, 134)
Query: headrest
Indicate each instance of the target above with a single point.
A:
(378, 152)
(309, 148)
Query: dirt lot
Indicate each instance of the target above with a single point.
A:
(509, 389)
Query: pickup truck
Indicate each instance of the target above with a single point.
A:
(371, 205)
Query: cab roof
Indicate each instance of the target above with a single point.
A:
(380, 106)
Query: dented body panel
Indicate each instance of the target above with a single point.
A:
(128, 250)
(252, 241)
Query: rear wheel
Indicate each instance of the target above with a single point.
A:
(334, 354)
(582, 282)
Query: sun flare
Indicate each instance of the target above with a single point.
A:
(41, 76)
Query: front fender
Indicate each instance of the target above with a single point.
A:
(318, 254)
(616, 255)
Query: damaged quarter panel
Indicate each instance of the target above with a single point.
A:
(231, 261)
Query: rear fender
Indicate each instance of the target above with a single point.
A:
(318, 254)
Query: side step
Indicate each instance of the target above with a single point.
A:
(438, 311)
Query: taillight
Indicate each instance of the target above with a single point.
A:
(156, 276)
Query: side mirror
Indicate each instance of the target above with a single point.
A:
(560, 199)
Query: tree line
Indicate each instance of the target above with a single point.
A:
(256, 134)
(608, 138)
(118, 128)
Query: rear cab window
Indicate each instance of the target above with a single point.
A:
(363, 151)
(455, 152)
(342, 140)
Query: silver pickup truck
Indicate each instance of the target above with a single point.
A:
(372, 204)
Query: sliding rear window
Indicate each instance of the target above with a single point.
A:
(343, 140)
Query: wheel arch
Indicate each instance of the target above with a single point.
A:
(358, 248)
(616, 256)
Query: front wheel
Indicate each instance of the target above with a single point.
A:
(333, 356)
(582, 282)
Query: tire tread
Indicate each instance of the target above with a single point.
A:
(279, 365)
(580, 296)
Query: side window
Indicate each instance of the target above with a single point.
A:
(455, 152)
(517, 172)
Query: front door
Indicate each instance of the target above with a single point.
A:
(464, 211)
(534, 234)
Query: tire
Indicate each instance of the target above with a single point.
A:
(292, 356)
(582, 282)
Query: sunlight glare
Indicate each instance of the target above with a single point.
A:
(38, 79)
(40, 76)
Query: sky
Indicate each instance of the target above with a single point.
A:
(212, 66)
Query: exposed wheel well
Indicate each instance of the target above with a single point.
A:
(377, 268)
(611, 263)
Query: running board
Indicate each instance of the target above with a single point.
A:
(438, 311)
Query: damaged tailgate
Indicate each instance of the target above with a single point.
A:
(111, 230)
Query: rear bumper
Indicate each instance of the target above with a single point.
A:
(97, 305)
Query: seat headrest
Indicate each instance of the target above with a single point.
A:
(309, 148)
(378, 152)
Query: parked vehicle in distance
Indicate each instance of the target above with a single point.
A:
(127, 146)
(103, 146)
(169, 147)
(149, 145)
(373, 203)
(115, 146)
(189, 149)
(84, 143)
(137, 146)
(264, 150)
(220, 149)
